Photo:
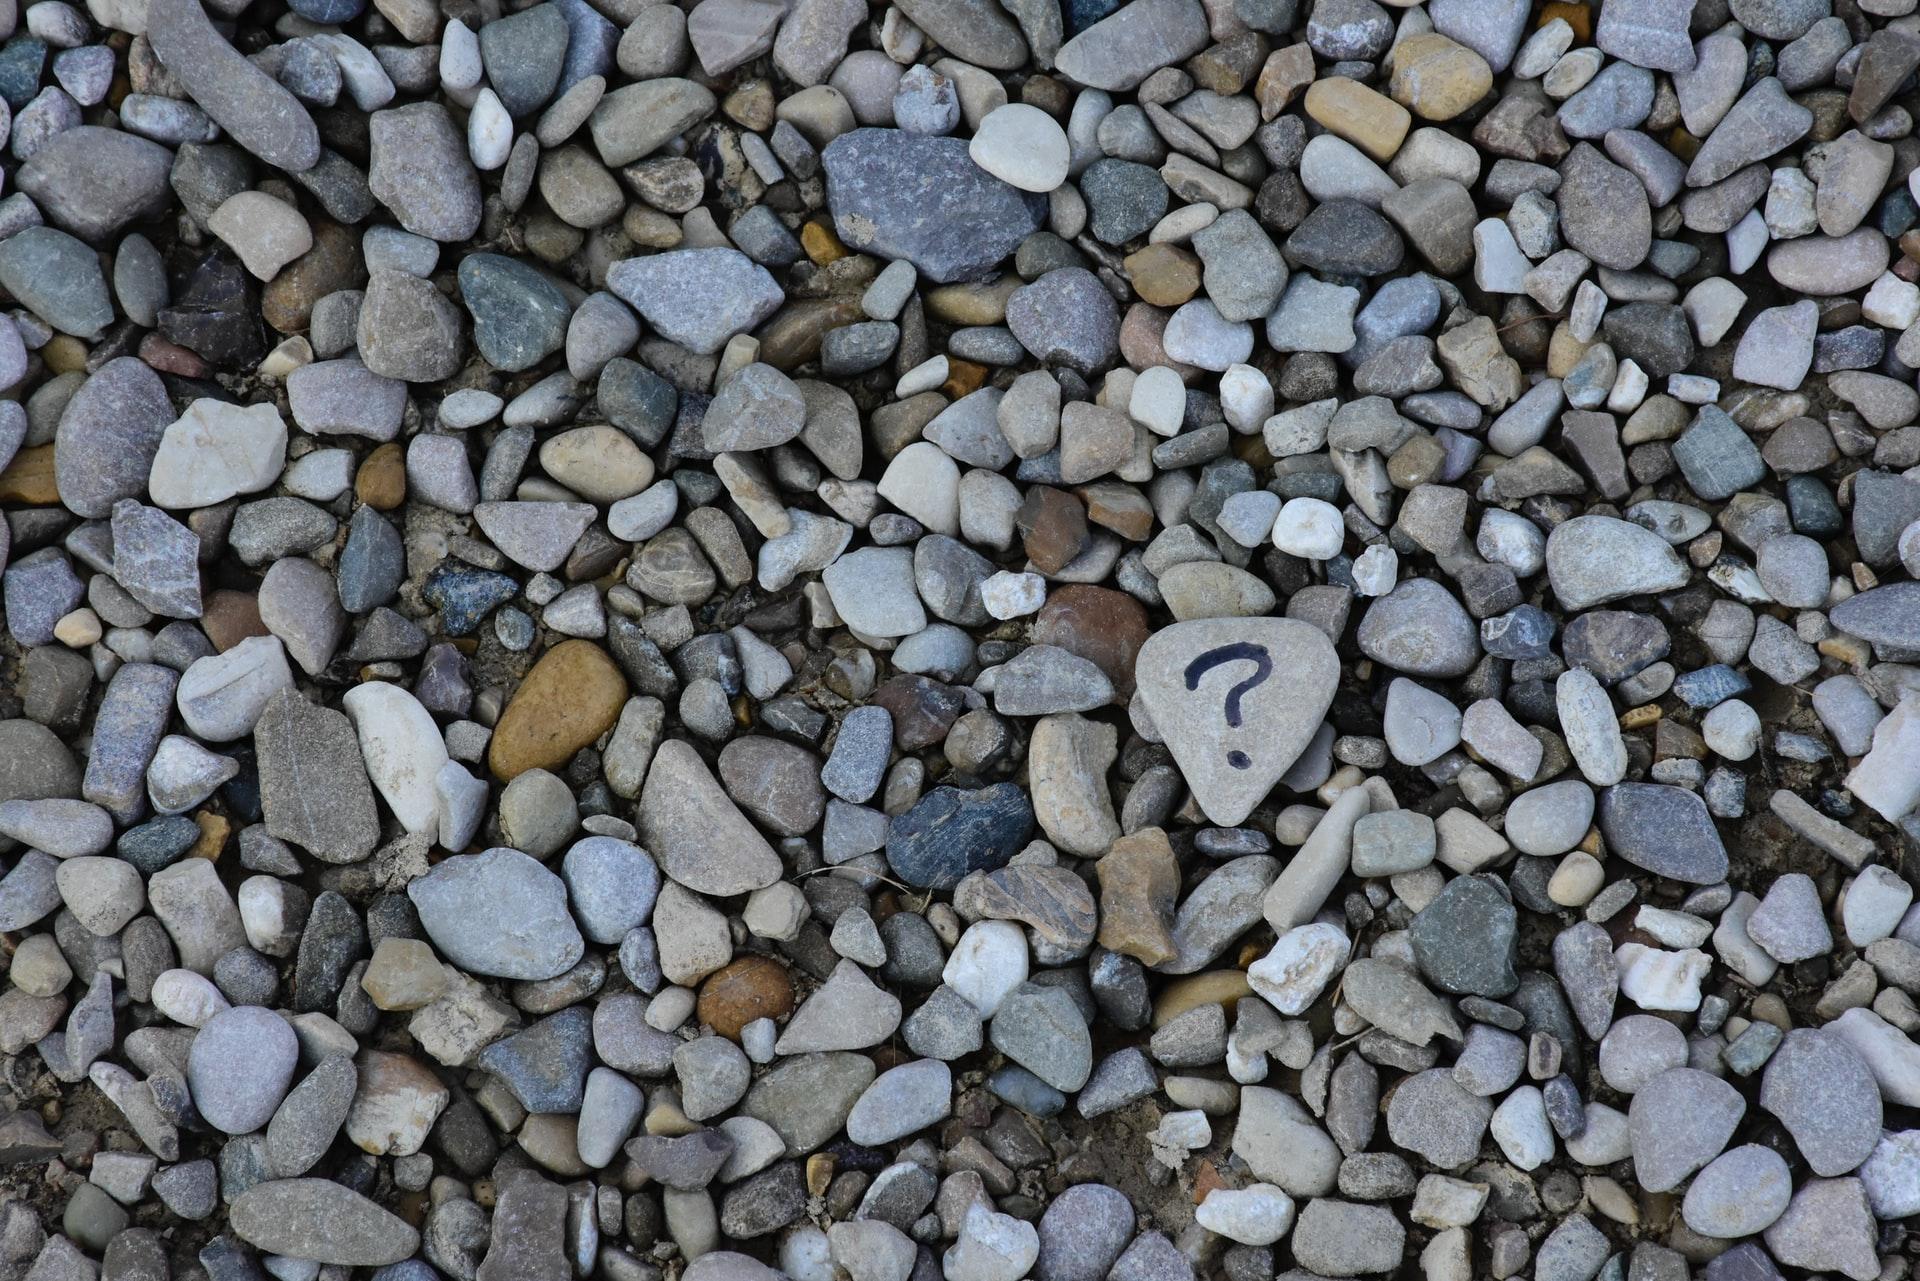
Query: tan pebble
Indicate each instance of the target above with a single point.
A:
(79, 629)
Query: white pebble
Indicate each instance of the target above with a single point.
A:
(1309, 528)
(489, 132)
(1009, 595)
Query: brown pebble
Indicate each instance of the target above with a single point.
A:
(1053, 527)
(570, 698)
(229, 617)
(382, 480)
(749, 988)
(28, 479)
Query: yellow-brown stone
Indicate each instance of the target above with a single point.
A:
(964, 378)
(741, 991)
(64, 354)
(1286, 73)
(1215, 987)
(1369, 120)
(381, 482)
(1164, 275)
(28, 479)
(333, 264)
(214, 830)
(572, 696)
(1139, 882)
(821, 245)
(1437, 78)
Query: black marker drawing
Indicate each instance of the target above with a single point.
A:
(1238, 651)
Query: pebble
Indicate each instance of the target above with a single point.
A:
(240, 1065)
(536, 939)
(878, 179)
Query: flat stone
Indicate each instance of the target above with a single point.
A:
(1826, 1096)
(695, 830)
(1679, 1121)
(242, 99)
(1119, 51)
(320, 1220)
(883, 187)
(1274, 718)
(314, 790)
(1665, 830)
(464, 907)
(698, 298)
(1592, 560)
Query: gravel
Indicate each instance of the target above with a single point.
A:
(1095, 640)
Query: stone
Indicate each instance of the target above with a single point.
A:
(108, 435)
(1022, 146)
(1285, 712)
(1665, 830)
(307, 753)
(239, 1068)
(216, 451)
(1123, 49)
(697, 832)
(320, 1220)
(241, 98)
(1679, 1122)
(698, 298)
(572, 696)
(879, 183)
(535, 940)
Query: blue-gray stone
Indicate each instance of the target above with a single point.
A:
(1026, 1091)
(465, 597)
(519, 316)
(636, 400)
(38, 591)
(1717, 457)
(1525, 631)
(372, 564)
(1710, 686)
(1811, 505)
(1464, 940)
(591, 40)
(58, 279)
(93, 181)
(1664, 830)
(132, 717)
(158, 843)
(1888, 616)
(950, 833)
(328, 12)
(1124, 199)
(21, 62)
(921, 198)
(546, 1065)
(241, 98)
(524, 54)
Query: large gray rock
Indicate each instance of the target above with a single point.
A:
(245, 101)
(93, 181)
(922, 198)
(498, 913)
(1236, 700)
(322, 1221)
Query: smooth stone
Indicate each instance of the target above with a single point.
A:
(1284, 715)
(498, 913)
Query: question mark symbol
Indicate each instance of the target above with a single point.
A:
(1238, 651)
